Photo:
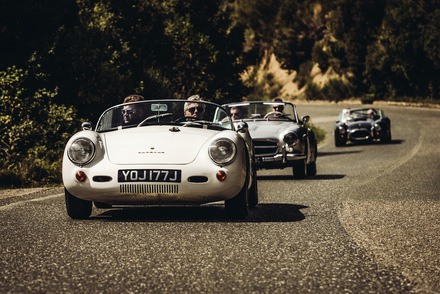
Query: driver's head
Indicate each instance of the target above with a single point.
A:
(132, 113)
(194, 110)
(277, 107)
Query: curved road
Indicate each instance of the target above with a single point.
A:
(366, 223)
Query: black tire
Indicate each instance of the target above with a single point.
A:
(388, 137)
(77, 208)
(238, 206)
(253, 192)
(338, 142)
(311, 169)
(299, 169)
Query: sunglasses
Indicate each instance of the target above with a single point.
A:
(127, 111)
(192, 109)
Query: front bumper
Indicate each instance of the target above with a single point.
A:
(279, 160)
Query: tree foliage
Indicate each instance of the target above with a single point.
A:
(61, 57)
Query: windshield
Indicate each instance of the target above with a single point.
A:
(189, 113)
(360, 114)
(262, 111)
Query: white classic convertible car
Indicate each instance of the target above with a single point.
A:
(160, 152)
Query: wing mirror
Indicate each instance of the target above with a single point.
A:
(242, 127)
(86, 126)
(305, 119)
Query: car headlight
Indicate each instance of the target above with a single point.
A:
(341, 130)
(290, 138)
(81, 151)
(377, 127)
(222, 151)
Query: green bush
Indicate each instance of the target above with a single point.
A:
(33, 131)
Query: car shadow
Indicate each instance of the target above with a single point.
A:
(286, 177)
(321, 154)
(265, 212)
(362, 143)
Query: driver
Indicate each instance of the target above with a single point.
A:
(277, 109)
(194, 110)
(132, 113)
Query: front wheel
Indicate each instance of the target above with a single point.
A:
(253, 192)
(77, 208)
(299, 170)
(238, 206)
(311, 169)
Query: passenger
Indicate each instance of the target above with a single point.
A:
(132, 113)
(194, 110)
(236, 113)
(372, 114)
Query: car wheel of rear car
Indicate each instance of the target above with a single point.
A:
(77, 208)
(299, 169)
(238, 207)
(253, 192)
(338, 142)
(388, 137)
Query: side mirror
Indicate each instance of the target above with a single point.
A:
(242, 127)
(305, 119)
(86, 126)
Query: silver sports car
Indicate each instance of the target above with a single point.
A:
(281, 139)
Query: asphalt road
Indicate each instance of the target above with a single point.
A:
(366, 223)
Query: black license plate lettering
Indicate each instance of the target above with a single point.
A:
(149, 175)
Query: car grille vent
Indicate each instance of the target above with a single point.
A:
(360, 135)
(265, 147)
(148, 189)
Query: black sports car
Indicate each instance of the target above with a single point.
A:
(362, 125)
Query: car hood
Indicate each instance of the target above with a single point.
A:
(359, 125)
(155, 145)
(269, 129)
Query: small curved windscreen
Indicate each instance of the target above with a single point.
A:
(189, 113)
(262, 110)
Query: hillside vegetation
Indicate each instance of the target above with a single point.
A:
(64, 61)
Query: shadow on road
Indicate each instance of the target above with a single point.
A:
(320, 154)
(265, 212)
(286, 177)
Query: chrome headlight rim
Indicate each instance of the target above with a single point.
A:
(341, 130)
(290, 138)
(377, 127)
(74, 158)
(222, 151)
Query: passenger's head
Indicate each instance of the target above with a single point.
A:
(132, 113)
(194, 110)
(236, 113)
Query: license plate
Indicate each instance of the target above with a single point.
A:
(149, 175)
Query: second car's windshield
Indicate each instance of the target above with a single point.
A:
(189, 113)
(262, 110)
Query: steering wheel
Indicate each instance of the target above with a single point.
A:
(153, 117)
(183, 118)
(272, 113)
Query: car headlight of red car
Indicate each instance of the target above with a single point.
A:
(81, 151)
(222, 151)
